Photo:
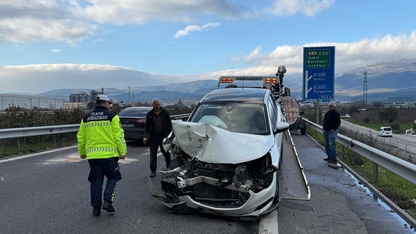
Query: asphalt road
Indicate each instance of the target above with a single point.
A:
(339, 203)
(405, 142)
(49, 193)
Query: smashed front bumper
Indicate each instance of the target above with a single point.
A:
(257, 204)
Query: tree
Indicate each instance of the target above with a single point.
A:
(115, 108)
(354, 108)
(377, 104)
(90, 105)
(390, 114)
(179, 104)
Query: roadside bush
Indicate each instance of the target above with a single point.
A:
(390, 114)
(395, 125)
(15, 117)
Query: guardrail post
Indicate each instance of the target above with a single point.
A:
(54, 140)
(375, 172)
(405, 151)
(18, 144)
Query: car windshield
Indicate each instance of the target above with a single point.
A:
(134, 112)
(236, 117)
(386, 129)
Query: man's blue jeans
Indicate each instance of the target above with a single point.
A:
(330, 139)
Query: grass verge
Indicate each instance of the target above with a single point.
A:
(28, 145)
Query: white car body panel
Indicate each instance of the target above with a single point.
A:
(215, 145)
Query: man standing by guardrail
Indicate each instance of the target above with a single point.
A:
(101, 141)
(332, 120)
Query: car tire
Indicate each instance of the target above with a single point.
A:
(302, 128)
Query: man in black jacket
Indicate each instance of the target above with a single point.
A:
(332, 120)
(158, 126)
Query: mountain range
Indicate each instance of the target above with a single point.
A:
(387, 81)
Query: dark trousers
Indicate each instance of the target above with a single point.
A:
(155, 143)
(98, 169)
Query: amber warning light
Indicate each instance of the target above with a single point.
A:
(271, 80)
(231, 79)
(227, 80)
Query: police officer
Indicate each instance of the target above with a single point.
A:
(101, 141)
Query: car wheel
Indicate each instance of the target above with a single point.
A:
(302, 128)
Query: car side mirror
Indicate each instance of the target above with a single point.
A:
(281, 127)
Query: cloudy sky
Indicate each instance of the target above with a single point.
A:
(56, 44)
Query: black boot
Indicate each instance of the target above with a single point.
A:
(108, 206)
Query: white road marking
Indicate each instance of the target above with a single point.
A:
(32, 155)
(74, 157)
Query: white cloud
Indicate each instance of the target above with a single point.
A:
(195, 28)
(39, 78)
(25, 21)
(347, 55)
(74, 20)
(187, 30)
(306, 7)
(143, 11)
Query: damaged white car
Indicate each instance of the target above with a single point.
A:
(226, 156)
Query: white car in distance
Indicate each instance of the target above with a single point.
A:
(385, 132)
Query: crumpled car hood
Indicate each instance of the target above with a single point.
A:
(216, 145)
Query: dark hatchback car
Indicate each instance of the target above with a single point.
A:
(133, 120)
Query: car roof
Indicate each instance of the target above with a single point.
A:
(244, 95)
(139, 108)
(134, 110)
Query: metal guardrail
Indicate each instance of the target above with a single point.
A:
(396, 165)
(10, 133)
